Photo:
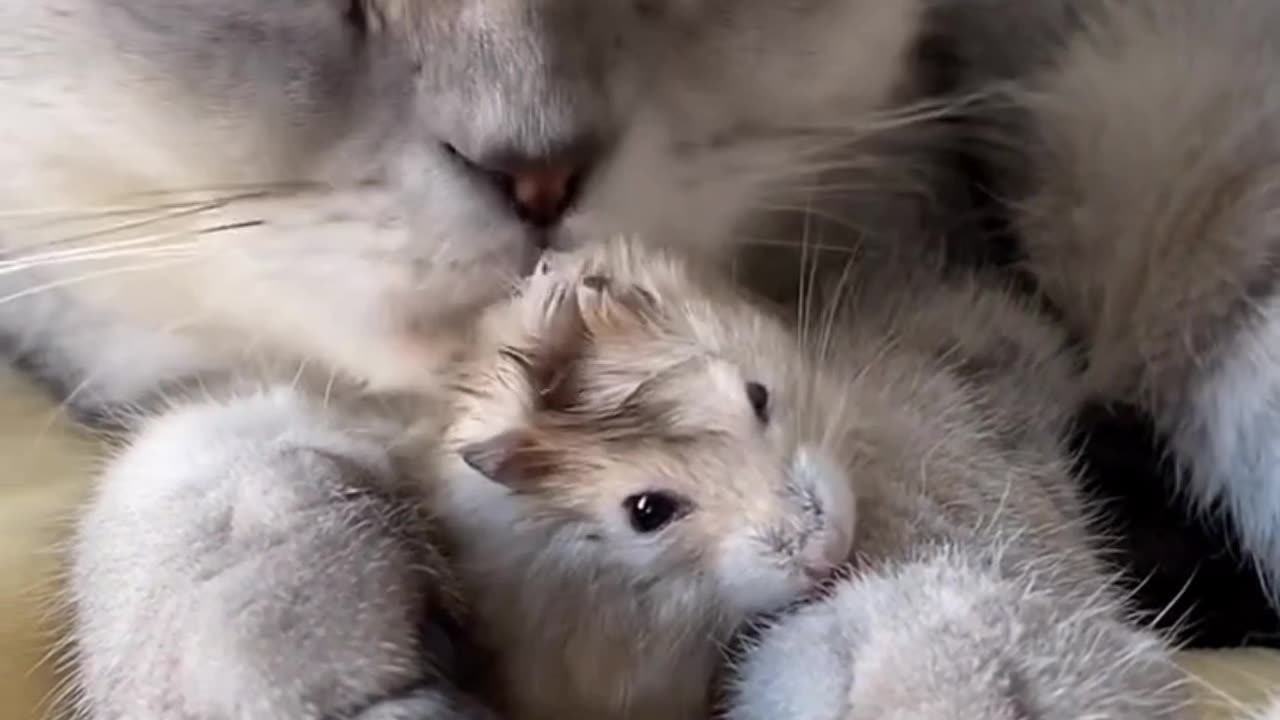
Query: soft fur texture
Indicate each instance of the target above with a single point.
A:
(262, 557)
(49, 469)
(202, 186)
(610, 378)
(969, 528)
(1132, 144)
(204, 180)
(975, 579)
(1148, 215)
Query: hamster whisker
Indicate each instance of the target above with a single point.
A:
(808, 264)
(832, 307)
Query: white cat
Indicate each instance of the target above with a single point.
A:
(268, 576)
(193, 184)
(1136, 146)
(193, 181)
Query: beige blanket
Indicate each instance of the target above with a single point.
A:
(45, 468)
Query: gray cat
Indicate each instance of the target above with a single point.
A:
(1134, 144)
(194, 184)
(197, 181)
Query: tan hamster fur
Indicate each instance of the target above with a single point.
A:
(584, 417)
(622, 373)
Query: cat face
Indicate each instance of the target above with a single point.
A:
(389, 165)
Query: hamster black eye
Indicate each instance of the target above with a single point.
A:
(758, 396)
(652, 511)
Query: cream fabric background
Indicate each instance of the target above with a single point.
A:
(45, 467)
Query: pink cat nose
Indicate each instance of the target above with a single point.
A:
(540, 188)
(542, 193)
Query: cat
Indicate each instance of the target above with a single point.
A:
(200, 181)
(1133, 146)
(211, 188)
(197, 184)
(284, 589)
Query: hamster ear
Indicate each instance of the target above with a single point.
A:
(609, 306)
(511, 458)
(557, 336)
(570, 316)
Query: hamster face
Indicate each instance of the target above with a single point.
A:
(634, 430)
(388, 165)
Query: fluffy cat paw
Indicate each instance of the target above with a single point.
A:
(948, 640)
(259, 558)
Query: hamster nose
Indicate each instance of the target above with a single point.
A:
(540, 188)
(823, 556)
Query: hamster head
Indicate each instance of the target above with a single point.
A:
(643, 432)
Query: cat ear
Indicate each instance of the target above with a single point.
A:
(513, 459)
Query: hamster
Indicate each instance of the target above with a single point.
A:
(642, 461)
(624, 496)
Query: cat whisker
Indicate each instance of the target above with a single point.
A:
(170, 250)
(137, 223)
(900, 116)
(279, 188)
(145, 246)
(123, 206)
(89, 277)
(68, 214)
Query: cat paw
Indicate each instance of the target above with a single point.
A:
(944, 641)
(256, 558)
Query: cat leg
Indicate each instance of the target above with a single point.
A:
(260, 558)
(947, 637)
(1150, 219)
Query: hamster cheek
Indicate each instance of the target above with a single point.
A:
(468, 500)
(753, 581)
(641, 556)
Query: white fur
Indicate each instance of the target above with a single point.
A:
(363, 278)
(1146, 196)
(255, 559)
(1228, 441)
(371, 266)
